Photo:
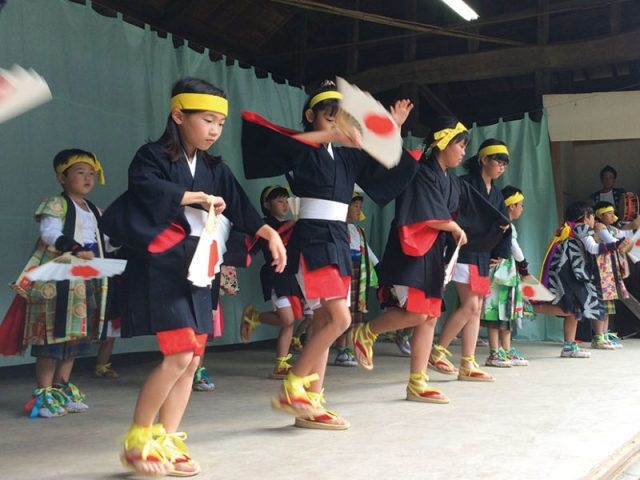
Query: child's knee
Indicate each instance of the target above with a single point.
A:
(180, 362)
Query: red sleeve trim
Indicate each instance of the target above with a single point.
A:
(260, 120)
(418, 238)
(416, 154)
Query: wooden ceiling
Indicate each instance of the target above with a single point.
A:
(495, 67)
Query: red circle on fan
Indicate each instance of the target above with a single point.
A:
(379, 124)
(85, 271)
(528, 291)
(638, 243)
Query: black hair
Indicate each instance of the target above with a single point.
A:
(277, 192)
(64, 155)
(603, 204)
(577, 211)
(608, 168)
(472, 164)
(510, 190)
(440, 123)
(170, 138)
(332, 105)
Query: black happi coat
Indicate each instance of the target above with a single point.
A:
(269, 150)
(156, 294)
(485, 238)
(283, 284)
(433, 195)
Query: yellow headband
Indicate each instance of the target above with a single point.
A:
(513, 199)
(316, 99)
(358, 196)
(91, 160)
(271, 189)
(493, 150)
(200, 101)
(444, 136)
(603, 210)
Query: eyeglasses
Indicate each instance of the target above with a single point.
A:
(501, 163)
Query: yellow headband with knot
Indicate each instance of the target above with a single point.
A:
(322, 96)
(444, 136)
(200, 101)
(493, 150)
(513, 199)
(603, 210)
(268, 191)
(90, 159)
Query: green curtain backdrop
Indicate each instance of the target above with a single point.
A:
(111, 83)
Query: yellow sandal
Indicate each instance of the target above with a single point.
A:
(439, 362)
(473, 373)
(294, 398)
(175, 450)
(281, 368)
(326, 420)
(142, 449)
(363, 340)
(419, 391)
(250, 320)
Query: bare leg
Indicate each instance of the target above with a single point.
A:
(505, 339)
(175, 404)
(468, 311)
(45, 371)
(159, 385)
(105, 350)
(570, 328)
(494, 335)
(421, 342)
(63, 370)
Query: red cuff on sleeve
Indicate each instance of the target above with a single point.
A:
(417, 239)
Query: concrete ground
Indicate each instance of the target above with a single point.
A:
(556, 419)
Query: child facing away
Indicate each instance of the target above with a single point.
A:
(613, 268)
(570, 272)
(64, 317)
(505, 305)
(281, 289)
(173, 184)
(323, 175)
(364, 277)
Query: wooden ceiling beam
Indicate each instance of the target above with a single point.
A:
(502, 62)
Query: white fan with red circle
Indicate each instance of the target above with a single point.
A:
(380, 134)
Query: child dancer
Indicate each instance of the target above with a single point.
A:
(62, 318)
(505, 305)
(173, 182)
(323, 176)
(281, 288)
(364, 276)
(613, 269)
(471, 274)
(569, 271)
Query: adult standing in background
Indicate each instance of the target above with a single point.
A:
(608, 193)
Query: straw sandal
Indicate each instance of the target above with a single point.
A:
(175, 450)
(281, 368)
(363, 340)
(327, 420)
(294, 398)
(439, 362)
(143, 454)
(419, 391)
(250, 320)
(473, 373)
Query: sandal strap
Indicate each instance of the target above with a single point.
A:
(173, 444)
(472, 360)
(418, 378)
(442, 350)
(141, 439)
(295, 386)
(282, 362)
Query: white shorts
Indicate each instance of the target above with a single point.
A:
(279, 302)
(461, 273)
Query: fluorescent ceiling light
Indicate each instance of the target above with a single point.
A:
(462, 9)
